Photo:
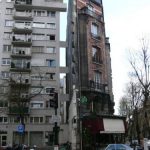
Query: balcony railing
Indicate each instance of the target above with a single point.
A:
(21, 52)
(23, 2)
(18, 110)
(98, 86)
(86, 11)
(23, 67)
(25, 15)
(22, 28)
(21, 41)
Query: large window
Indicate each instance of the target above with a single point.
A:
(97, 77)
(39, 13)
(9, 11)
(51, 13)
(36, 119)
(9, 23)
(7, 35)
(94, 29)
(51, 25)
(38, 37)
(50, 50)
(6, 61)
(6, 48)
(37, 104)
(5, 74)
(51, 63)
(3, 119)
(38, 24)
(96, 55)
(50, 37)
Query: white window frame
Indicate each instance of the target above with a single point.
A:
(94, 29)
(9, 23)
(37, 105)
(5, 74)
(51, 50)
(6, 61)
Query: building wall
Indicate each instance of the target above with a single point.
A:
(38, 67)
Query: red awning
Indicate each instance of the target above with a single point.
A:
(95, 125)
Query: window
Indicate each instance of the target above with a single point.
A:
(38, 24)
(50, 76)
(50, 50)
(51, 13)
(7, 35)
(3, 120)
(9, 11)
(49, 90)
(37, 104)
(3, 89)
(51, 63)
(36, 119)
(96, 55)
(9, 23)
(94, 29)
(50, 37)
(3, 104)
(97, 77)
(48, 119)
(5, 74)
(37, 49)
(38, 37)
(6, 48)
(39, 13)
(36, 90)
(51, 25)
(5, 61)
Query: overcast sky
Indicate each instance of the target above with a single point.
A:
(126, 22)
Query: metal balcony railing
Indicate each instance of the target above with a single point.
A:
(98, 86)
(23, 2)
(18, 110)
(86, 11)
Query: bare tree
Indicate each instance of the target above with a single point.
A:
(140, 63)
(19, 91)
(130, 104)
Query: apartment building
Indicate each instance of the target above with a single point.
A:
(30, 72)
(90, 77)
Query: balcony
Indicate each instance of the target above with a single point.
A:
(21, 40)
(18, 110)
(98, 86)
(96, 36)
(17, 83)
(23, 15)
(21, 52)
(23, 4)
(90, 13)
(20, 67)
(22, 28)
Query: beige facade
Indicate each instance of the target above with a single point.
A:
(30, 71)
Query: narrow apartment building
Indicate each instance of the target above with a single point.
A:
(30, 73)
(90, 77)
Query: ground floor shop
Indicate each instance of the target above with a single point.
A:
(38, 135)
(100, 131)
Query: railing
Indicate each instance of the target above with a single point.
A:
(85, 10)
(18, 110)
(25, 2)
(23, 14)
(20, 65)
(21, 39)
(98, 86)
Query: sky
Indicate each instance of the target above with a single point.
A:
(126, 22)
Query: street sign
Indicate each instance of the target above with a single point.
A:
(20, 128)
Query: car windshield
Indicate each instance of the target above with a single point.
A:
(117, 147)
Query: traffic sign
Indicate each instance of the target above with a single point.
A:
(20, 128)
(56, 119)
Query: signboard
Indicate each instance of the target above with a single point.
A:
(55, 119)
(20, 128)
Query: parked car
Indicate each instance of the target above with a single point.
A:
(118, 147)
